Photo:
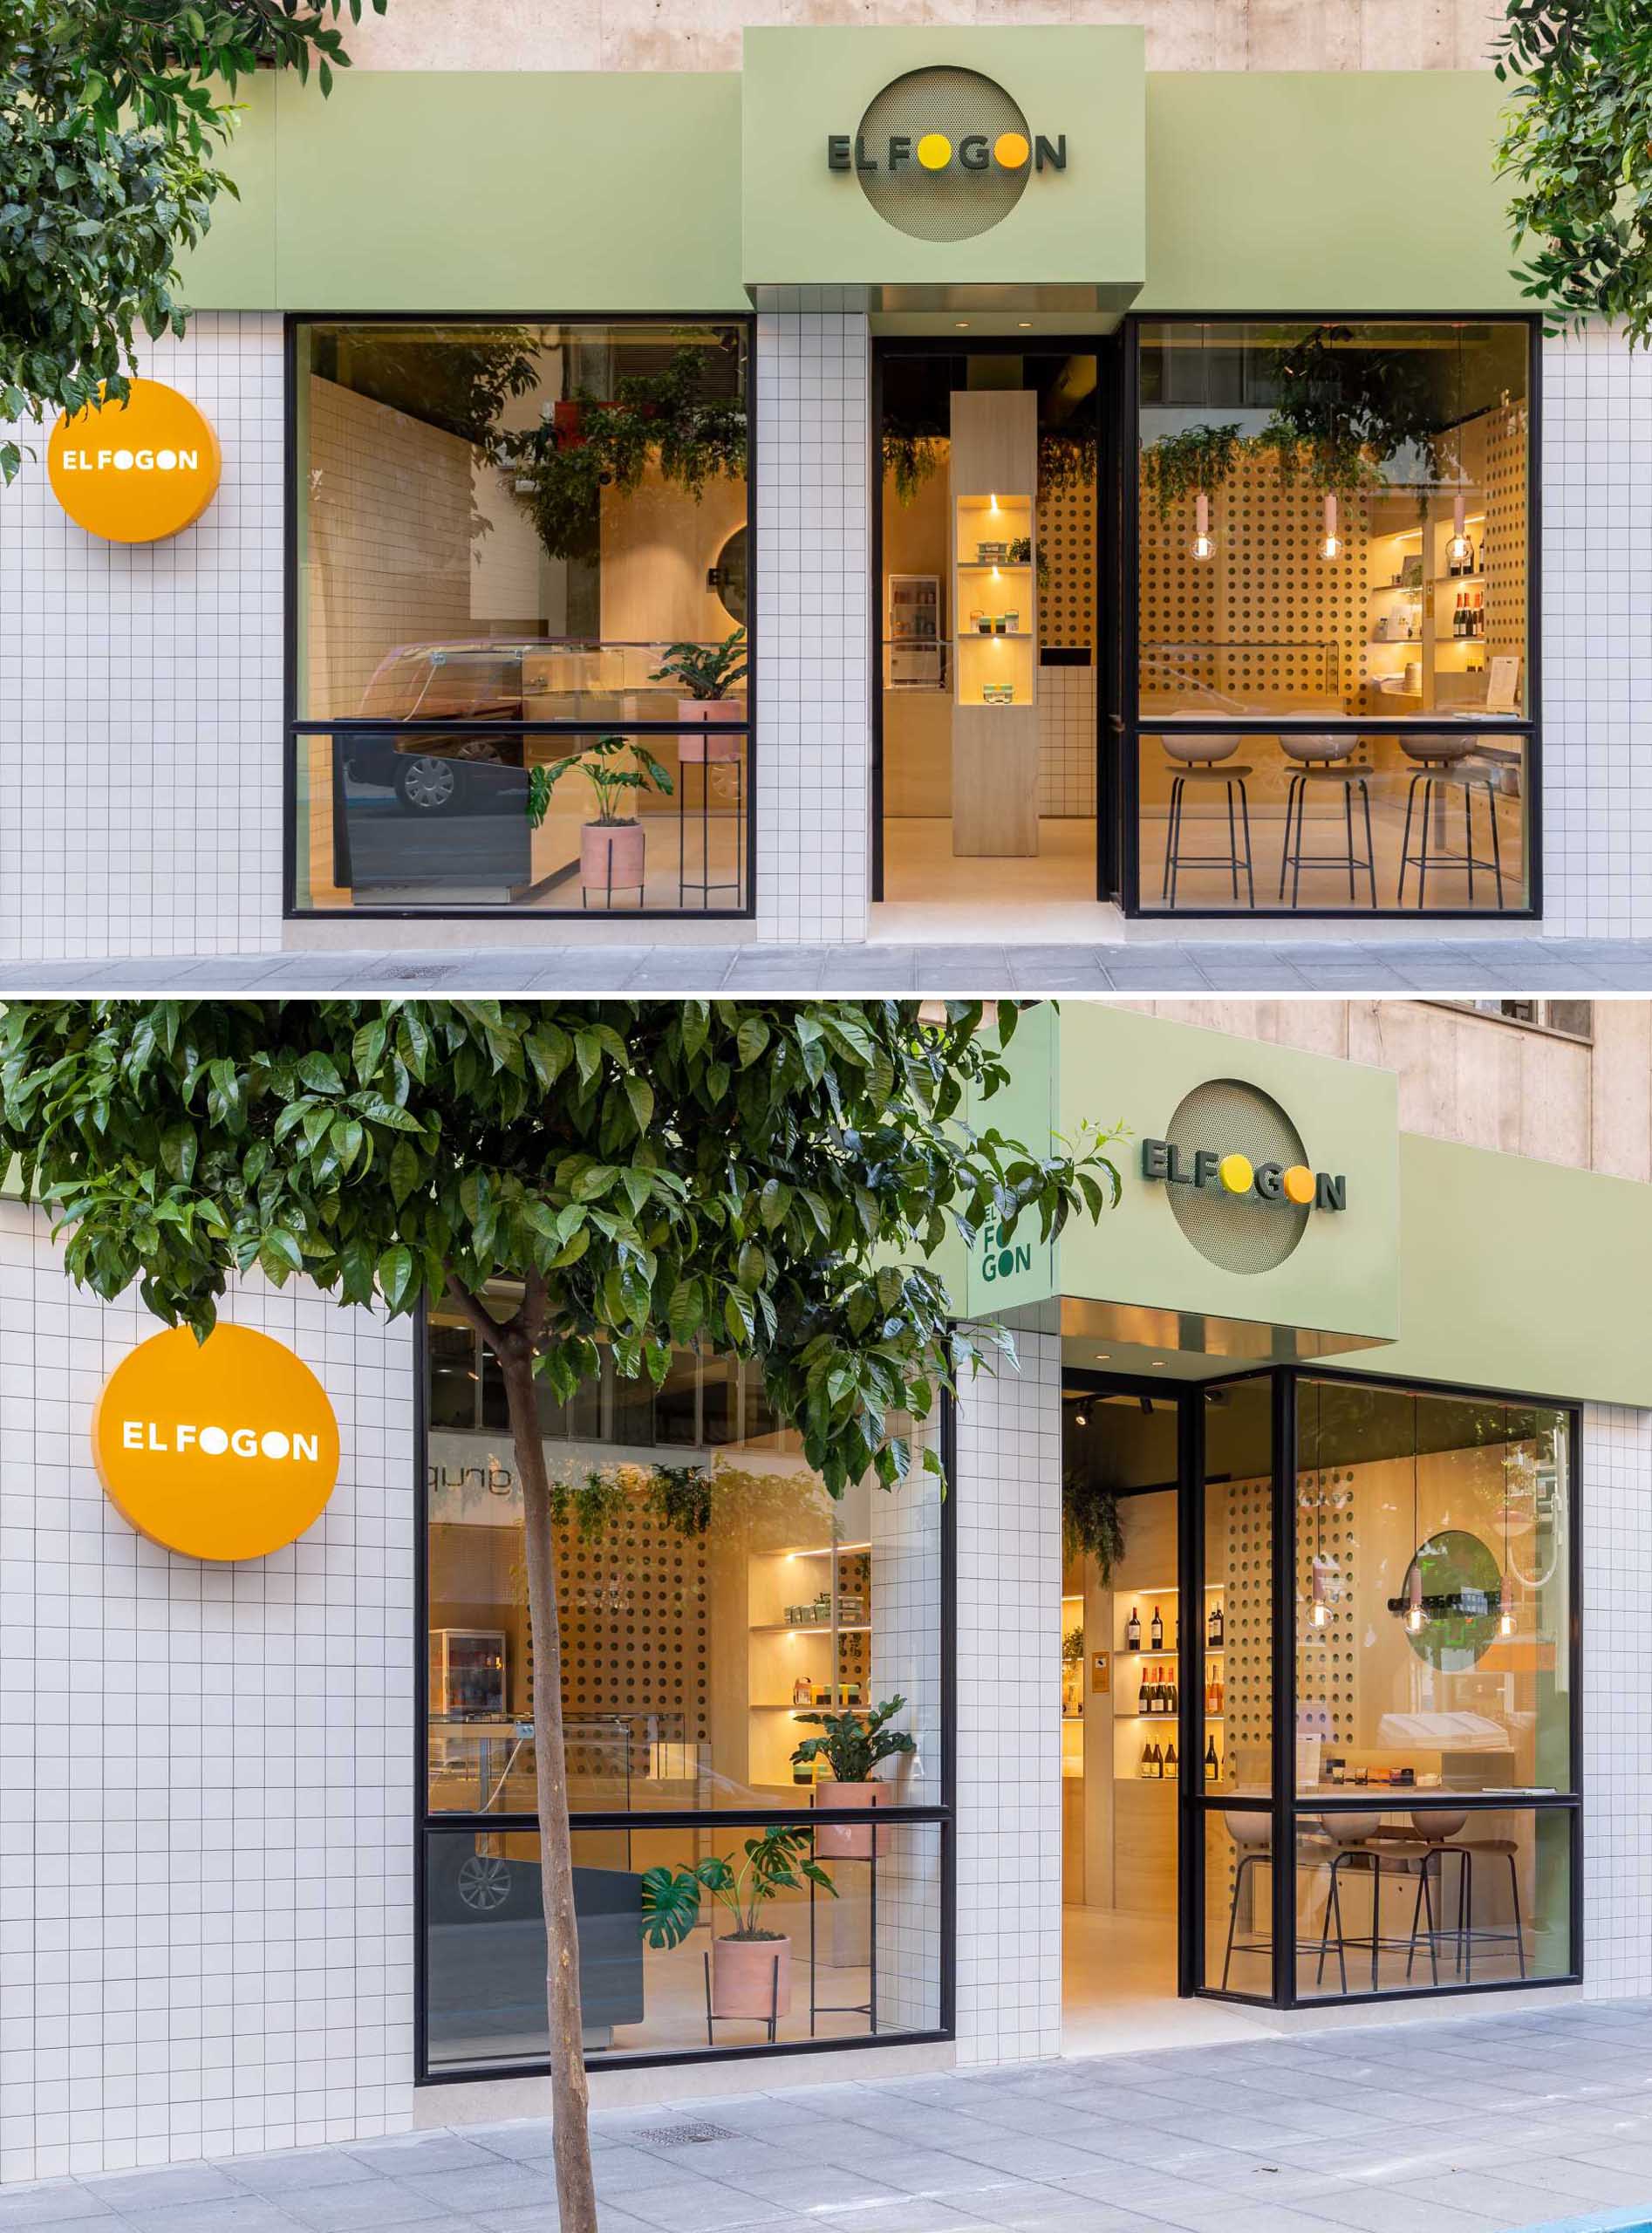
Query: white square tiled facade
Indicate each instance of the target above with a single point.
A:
(1616, 1780)
(207, 1830)
(1008, 1524)
(140, 693)
(812, 648)
(1595, 593)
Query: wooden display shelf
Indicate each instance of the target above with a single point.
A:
(811, 1628)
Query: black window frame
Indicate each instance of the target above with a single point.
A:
(430, 1821)
(295, 726)
(1128, 724)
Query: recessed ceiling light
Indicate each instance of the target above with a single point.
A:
(1025, 323)
(1159, 1364)
(1103, 1356)
(962, 324)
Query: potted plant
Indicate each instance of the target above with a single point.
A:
(1195, 462)
(751, 1971)
(852, 1746)
(611, 848)
(708, 672)
(1090, 1523)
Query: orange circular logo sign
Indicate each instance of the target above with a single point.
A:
(225, 1449)
(138, 471)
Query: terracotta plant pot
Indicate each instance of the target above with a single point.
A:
(848, 1841)
(751, 1977)
(611, 855)
(698, 750)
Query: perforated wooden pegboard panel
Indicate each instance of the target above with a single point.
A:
(1066, 569)
(1326, 1662)
(854, 1655)
(633, 1620)
(1246, 1573)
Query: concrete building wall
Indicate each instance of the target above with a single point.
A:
(1181, 34)
(206, 1819)
(1484, 1080)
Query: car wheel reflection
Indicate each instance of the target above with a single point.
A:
(484, 1882)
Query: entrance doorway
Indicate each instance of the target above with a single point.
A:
(988, 562)
(1166, 1582)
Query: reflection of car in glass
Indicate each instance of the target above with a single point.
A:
(465, 682)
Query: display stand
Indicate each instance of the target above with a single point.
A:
(867, 2008)
(771, 2021)
(707, 759)
(993, 468)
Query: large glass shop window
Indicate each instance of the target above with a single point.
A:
(715, 1602)
(1333, 533)
(1434, 1689)
(522, 579)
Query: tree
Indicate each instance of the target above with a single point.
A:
(1577, 140)
(109, 117)
(648, 1176)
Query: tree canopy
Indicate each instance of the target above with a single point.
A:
(110, 117)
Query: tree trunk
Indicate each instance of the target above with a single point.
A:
(570, 2095)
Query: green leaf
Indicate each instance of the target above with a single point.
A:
(398, 1269)
(320, 1073)
(404, 1171)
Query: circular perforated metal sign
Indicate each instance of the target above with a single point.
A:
(948, 155)
(1240, 1232)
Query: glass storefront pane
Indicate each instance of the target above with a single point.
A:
(1239, 1588)
(417, 818)
(1334, 519)
(1390, 821)
(866, 1961)
(1433, 1616)
(1412, 1899)
(711, 1594)
(1238, 1902)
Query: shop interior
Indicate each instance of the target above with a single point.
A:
(1432, 1631)
(987, 597)
(517, 525)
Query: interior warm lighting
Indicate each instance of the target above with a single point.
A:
(1082, 1418)
(1103, 1356)
(1331, 544)
(1459, 550)
(1413, 1611)
(1506, 1621)
(1203, 543)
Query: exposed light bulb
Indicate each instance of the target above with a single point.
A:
(1082, 1419)
(1203, 544)
(1505, 1622)
(1331, 542)
(1459, 550)
(1318, 1612)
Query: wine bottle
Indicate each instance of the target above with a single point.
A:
(1155, 1763)
(1169, 1758)
(1212, 1765)
(1215, 1626)
(1156, 1634)
(1133, 1631)
(1145, 1769)
(1172, 1696)
(1145, 1703)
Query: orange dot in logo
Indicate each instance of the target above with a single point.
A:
(1298, 1182)
(1010, 151)
(934, 151)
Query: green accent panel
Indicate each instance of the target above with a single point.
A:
(1521, 1275)
(1343, 1278)
(1362, 190)
(806, 226)
(439, 190)
(234, 267)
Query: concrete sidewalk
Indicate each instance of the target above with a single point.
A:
(1440, 966)
(1471, 2126)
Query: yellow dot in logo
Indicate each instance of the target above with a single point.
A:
(1010, 151)
(934, 151)
(1298, 1182)
(1235, 1173)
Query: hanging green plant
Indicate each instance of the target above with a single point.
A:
(1067, 459)
(1091, 1524)
(557, 470)
(1198, 460)
(1344, 413)
(911, 455)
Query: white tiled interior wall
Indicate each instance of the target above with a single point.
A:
(1067, 741)
(1008, 1489)
(814, 576)
(1597, 650)
(140, 694)
(1617, 1701)
(206, 1838)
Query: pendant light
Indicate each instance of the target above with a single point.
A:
(1414, 1614)
(1317, 1585)
(1203, 546)
(1460, 552)
(1331, 543)
(1505, 1614)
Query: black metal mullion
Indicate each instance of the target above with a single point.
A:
(1189, 1937)
(1284, 1699)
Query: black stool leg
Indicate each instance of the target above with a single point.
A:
(1232, 840)
(1496, 848)
(1468, 836)
(1348, 819)
(1245, 816)
(1291, 790)
(1232, 1914)
(1405, 842)
(1520, 1926)
(1370, 845)
(1169, 840)
(1429, 788)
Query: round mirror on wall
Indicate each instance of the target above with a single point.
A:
(1462, 1595)
(728, 579)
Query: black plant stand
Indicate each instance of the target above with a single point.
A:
(867, 2008)
(706, 887)
(769, 2023)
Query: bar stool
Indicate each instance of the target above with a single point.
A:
(1437, 1835)
(1326, 759)
(1362, 1843)
(1232, 778)
(1253, 1837)
(1437, 760)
